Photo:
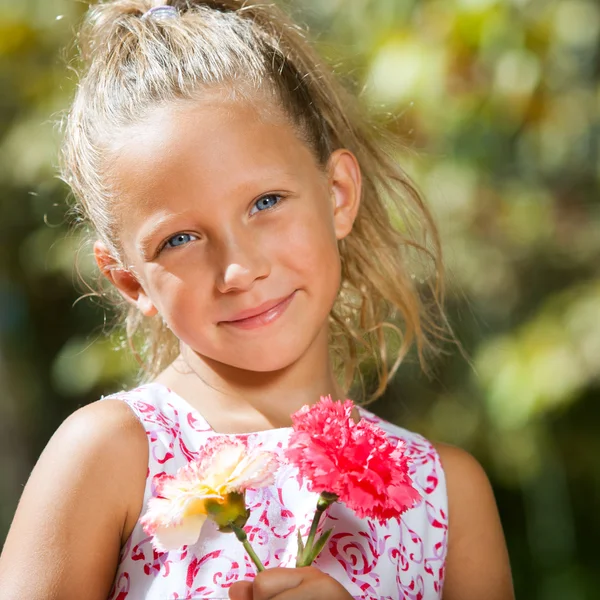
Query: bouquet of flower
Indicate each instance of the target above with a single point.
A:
(355, 463)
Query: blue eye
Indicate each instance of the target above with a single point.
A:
(266, 202)
(179, 240)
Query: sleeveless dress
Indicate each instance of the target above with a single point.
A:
(401, 560)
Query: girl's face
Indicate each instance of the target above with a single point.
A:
(224, 213)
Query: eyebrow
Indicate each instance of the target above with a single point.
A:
(145, 244)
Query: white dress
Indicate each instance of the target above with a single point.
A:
(401, 560)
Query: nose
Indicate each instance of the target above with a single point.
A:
(242, 263)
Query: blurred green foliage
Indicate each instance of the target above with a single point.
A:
(499, 103)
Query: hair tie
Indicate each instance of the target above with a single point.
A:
(161, 12)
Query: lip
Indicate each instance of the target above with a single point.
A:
(258, 310)
(261, 315)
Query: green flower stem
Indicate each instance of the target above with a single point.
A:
(306, 556)
(240, 534)
(311, 538)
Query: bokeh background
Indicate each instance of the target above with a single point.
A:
(498, 103)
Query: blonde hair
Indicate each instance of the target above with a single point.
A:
(132, 64)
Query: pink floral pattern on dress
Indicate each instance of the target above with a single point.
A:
(401, 560)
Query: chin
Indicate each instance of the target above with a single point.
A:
(267, 362)
(264, 357)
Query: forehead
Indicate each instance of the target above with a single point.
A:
(214, 146)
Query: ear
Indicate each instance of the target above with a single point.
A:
(123, 279)
(345, 184)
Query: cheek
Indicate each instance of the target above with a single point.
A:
(173, 296)
(311, 248)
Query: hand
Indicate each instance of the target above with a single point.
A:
(305, 583)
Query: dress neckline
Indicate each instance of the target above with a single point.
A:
(198, 415)
(181, 401)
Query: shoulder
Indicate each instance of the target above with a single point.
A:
(102, 418)
(110, 441)
(108, 419)
(470, 495)
(80, 498)
(99, 431)
(104, 446)
(477, 563)
(464, 475)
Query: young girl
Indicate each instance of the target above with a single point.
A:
(244, 213)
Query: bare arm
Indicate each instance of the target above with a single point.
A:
(78, 505)
(477, 565)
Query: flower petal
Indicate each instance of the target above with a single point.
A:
(257, 470)
(173, 537)
(225, 459)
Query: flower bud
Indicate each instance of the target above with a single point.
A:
(325, 500)
(230, 509)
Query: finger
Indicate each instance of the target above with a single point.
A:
(316, 588)
(241, 590)
(271, 582)
(268, 584)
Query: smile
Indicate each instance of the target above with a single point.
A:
(261, 315)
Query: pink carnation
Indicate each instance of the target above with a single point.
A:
(355, 461)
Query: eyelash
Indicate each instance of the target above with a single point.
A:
(269, 196)
(165, 245)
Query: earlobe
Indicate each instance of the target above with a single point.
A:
(345, 184)
(123, 279)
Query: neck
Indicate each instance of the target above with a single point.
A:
(257, 399)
